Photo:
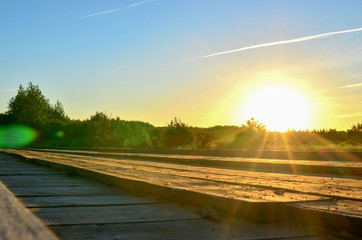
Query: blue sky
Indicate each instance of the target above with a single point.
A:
(132, 60)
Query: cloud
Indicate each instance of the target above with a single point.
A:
(289, 41)
(116, 9)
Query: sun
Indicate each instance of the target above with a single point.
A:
(279, 108)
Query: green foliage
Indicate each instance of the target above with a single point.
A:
(354, 135)
(250, 135)
(254, 125)
(5, 119)
(107, 132)
(203, 137)
(177, 134)
(133, 134)
(30, 107)
(223, 135)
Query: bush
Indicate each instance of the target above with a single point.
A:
(177, 134)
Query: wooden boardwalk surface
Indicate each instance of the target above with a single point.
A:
(78, 208)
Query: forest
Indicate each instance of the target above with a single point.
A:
(32, 121)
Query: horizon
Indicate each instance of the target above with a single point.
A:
(207, 63)
(175, 119)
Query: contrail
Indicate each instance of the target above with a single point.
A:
(8, 90)
(335, 89)
(295, 40)
(356, 114)
(116, 9)
(356, 85)
(352, 85)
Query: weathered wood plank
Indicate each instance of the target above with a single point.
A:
(276, 165)
(157, 228)
(108, 214)
(6, 157)
(187, 229)
(25, 169)
(256, 195)
(46, 181)
(61, 191)
(55, 177)
(339, 215)
(12, 166)
(10, 163)
(145, 170)
(42, 183)
(93, 200)
(218, 182)
(9, 160)
(28, 173)
(232, 153)
(17, 222)
(344, 207)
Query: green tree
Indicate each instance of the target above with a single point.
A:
(100, 129)
(251, 134)
(30, 107)
(354, 135)
(177, 134)
(254, 125)
(203, 137)
(132, 134)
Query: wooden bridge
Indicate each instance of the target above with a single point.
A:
(50, 194)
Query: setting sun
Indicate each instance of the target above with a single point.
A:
(279, 108)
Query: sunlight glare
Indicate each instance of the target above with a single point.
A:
(279, 108)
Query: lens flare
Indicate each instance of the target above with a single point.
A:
(59, 134)
(16, 136)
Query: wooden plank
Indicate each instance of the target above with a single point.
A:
(42, 183)
(17, 222)
(23, 166)
(48, 177)
(18, 165)
(9, 160)
(25, 169)
(235, 153)
(63, 201)
(10, 163)
(343, 207)
(7, 157)
(46, 181)
(276, 165)
(228, 190)
(112, 214)
(62, 191)
(217, 182)
(168, 173)
(339, 215)
(187, 229)
(28, 173)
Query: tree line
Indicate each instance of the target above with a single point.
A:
(53, 128)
